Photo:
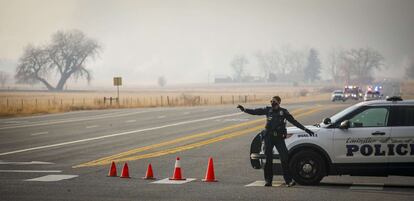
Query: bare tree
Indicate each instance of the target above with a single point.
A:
(162, 81)
(283, 64)
(4, 78)
(67, 55)
(297, 65)
(361, 62)
(264, 64)
(285, 61)
(312, 69)
(238, 64)
(336, 64)
(269, 63)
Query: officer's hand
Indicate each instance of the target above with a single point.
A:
(311, 133)
(241, 108)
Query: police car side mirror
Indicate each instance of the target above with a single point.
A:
(326, 121)
(345, 124)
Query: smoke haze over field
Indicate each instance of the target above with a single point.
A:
(185, 41)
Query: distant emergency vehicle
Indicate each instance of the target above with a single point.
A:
(373, 93)
(352, 92)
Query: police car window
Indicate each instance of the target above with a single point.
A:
(404, 116)
(342, 113)
(372, 117)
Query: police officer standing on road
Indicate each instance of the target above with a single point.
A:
(274, 135)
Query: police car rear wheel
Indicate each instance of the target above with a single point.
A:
(307, 167)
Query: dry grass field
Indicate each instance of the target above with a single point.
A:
(407, 89)
(35, 102)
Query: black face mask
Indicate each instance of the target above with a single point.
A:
(274, 104)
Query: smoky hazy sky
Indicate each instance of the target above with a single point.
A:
(186, 40)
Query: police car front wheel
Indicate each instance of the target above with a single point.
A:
(307, 167)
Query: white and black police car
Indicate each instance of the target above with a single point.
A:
(374, 138)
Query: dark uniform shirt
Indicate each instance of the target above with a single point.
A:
(276, 119)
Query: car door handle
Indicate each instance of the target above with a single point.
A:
(378, 133)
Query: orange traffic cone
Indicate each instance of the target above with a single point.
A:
(177, 171)
(112, 170)
(125, 171)
(210, 171)
(149, 175)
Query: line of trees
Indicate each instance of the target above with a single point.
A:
(281, 65)
(354, 65)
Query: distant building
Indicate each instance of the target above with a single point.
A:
(253, 79)
(222, 79)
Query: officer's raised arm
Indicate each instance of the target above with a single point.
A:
(257, 111)
(293, 121)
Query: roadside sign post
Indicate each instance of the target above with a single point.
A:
(117, 83)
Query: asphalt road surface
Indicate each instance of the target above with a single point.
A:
(67, 157)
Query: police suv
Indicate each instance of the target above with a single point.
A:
(374, 138)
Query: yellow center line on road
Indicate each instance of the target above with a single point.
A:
(122, 156)
(191, 146)
(153, 146)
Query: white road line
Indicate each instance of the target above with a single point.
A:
(185, 113)
(25, 163)
(31, 171)
(262, 183)
(161, 117)
(119, 134)
(92, 126)
(235, 120)
(52, 177)
(14, 122)
(130, 121)
(71, 118)
(48, 115)
(168, 181)
(39, 133)
(74, 120)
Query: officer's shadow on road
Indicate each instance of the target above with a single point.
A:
(369, 187)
